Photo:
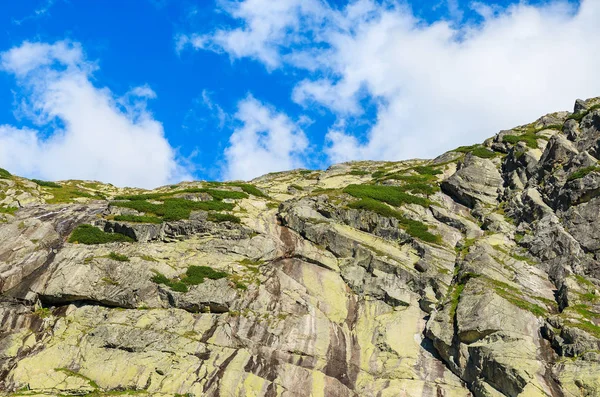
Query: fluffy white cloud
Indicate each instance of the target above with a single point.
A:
(269, 27)
(436, 86)
(266, 141)
(102, 137)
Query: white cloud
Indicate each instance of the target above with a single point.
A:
(268, 27)
(266, 141)
(437, 85)
(103, 137)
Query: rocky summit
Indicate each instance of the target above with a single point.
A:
(473, 274)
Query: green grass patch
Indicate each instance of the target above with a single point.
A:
(579, 116)
(359, 172)
(409, 178)
(218, 217)
(583, 172)
(514, 296)
(43, 312)
(378, 174)
(455, 297)
(476, 150)
(175, 285)
(195, 275)
(174, 209)
(297, 187)
(148, 258)
(67, 193)
(137, 219)
(69, 372)
(427, 170)
(91, 235)
(590, 328)
(414, 228)
(250, 189)
(4, 174)
(8, 210)
(216, 194)
(118, 257)
(392, 195)
(47, 183)
(528, 138)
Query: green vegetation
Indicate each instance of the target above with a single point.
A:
(174, 209)
(455, 297)
(250, 189)
(175, 285)
(585, 326)
(583, 172)
(118, 257)
(5, 174)
(88, 234)
(584, 311)
(8, 210)
(43, 312)
(579, 116)
(66, 194)
(250, 262)
(46, 183)
(409, 178)
(476, 150)
(218, 217)
(428, 170)
(216, 194)
(359, 172)
(297, 187)
(109, 281)
(148, 258)
(514, 296)
(378, 174)
(414, 228)
(530, 139)
(77, 375)
(137, 219)
(194, 275)
(392, 195)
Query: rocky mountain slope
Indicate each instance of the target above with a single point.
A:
(473, 274)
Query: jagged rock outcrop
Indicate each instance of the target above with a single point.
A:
(474, 274)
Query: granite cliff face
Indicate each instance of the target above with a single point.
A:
(473, 274)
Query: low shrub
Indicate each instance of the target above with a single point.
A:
(529, 139)
(8, 210)
(47, 183)
(118, 257)
(583, 172)
(90, 235)
(427, 170)
(195, 275)
(476, 150)
(251, 189)
(359, 172)
(216, 194)
(137, 219)
(218, 217)
(414, 228)
(174, 209)
(4, 174)
(393, 195)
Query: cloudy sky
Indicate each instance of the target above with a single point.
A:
(149, 92)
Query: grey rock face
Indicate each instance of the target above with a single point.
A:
(460, 276)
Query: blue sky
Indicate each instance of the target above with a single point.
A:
(149, 92)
